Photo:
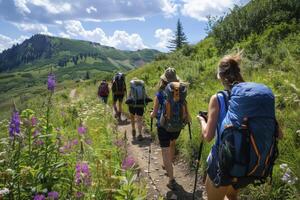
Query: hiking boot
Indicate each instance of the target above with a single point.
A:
(172, 185)
(140, 137)
(133, 133)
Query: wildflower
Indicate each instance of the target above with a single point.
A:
(75, 142)
(82, 175)
(35, 132)
(81, 129)
(14, 126)
(51, 82)
(4, 191)
(119, 143)
(88, 141)
(283, 166)
(39, 142)
(33, 121)
(39, 197)
(53, 195)
(127, 163)
(79, 194)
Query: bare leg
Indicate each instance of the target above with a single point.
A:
(231, 193)
(132, 121)
(139, 124)
(167, 162)
(172, 150)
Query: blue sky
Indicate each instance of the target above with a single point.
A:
(124, 24)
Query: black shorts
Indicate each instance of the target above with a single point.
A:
(136, 110)
(118, 98)
(166, 137)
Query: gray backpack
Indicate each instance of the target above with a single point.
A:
(137, 92)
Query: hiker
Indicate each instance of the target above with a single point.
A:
(137, 100)
(170, 110)
(118, 92)
(103, 91)
(230, 113)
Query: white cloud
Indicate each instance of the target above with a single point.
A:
(91, 9)
(21, 6)
(32, 28)
(120, 39)
(200, 9)
(50, 11)
(169, 7)
(52, 8)
(164, 36)
(7, 42)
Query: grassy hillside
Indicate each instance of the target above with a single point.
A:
(41, 51)
(24, 67)
(271, 57)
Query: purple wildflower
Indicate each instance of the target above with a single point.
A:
(33, 121)
(79, 195)
(35, 132)
(83, 175)
(51, 82)
(14, 126)
(39, 197)
(39, 142)
(81, 129)
(53, 195)
(128, 162)
(74, 142)
(119, 143)
(88, 141)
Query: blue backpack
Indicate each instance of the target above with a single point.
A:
(248, 145)
(174, 113)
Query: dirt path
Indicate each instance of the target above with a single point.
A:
(156, 178)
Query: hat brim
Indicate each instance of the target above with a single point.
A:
(163, 77)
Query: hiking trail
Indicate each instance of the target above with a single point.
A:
(156, 179)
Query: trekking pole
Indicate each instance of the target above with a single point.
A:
(151, 125)
(197, 168)
(190, 132)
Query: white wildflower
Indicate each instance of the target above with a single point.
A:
(4, 191)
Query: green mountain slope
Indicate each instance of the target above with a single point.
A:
(271, 56)
(40, 51)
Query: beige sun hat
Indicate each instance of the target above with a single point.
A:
(170, 75)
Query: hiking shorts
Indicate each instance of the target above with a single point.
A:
(166, 137)
(136, 110)
(118, 98)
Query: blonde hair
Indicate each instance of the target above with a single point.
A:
(229, 70)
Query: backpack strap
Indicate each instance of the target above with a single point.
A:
(226, 97)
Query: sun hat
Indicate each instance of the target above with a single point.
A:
(170, 75)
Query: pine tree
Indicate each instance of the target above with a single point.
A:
(179, 39)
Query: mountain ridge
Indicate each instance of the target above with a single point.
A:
(41, 50)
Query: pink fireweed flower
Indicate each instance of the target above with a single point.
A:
(82, 174)
(128, 162)
(81, 130)
(14, 126)
(51, 82)
(39, 197)
(53, 195)
(79, 195)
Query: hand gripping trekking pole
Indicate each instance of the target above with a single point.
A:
(197, 168)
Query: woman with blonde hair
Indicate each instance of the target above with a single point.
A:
(229, 73)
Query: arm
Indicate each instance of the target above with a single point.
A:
(155, 108)
(209, 128)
